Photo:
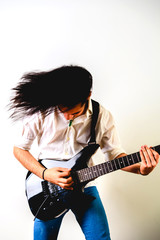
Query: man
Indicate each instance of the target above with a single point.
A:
(57, 110)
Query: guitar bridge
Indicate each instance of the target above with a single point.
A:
(54, 189)
(50, 189)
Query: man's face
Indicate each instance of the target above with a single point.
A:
(74, 112)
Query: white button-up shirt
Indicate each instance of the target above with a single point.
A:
(57, 140)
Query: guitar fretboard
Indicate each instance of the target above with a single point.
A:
(88, 174)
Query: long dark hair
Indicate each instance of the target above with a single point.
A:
(43, 91)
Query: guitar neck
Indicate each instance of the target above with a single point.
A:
(88, 174)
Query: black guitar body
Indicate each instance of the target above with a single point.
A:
(47, 200)
(47, 207)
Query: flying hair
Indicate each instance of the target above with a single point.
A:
(43, 91)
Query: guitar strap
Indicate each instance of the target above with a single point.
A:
(95, 107)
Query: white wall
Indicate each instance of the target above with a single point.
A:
(118, 41)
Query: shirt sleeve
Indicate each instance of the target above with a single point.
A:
(110, 142)
(28, 133)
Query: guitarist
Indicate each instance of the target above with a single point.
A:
(57, 110)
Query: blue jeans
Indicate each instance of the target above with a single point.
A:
(92, 220)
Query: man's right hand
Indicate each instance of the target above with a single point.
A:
(59, 176)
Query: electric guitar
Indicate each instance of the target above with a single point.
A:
(48, 201)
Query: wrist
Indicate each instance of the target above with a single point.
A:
(43, 173)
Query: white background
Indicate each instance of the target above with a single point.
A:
(119, 43)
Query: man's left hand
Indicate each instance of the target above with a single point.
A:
(149, 159)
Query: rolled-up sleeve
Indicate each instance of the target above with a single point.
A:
(28, 134)
(110, 142)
